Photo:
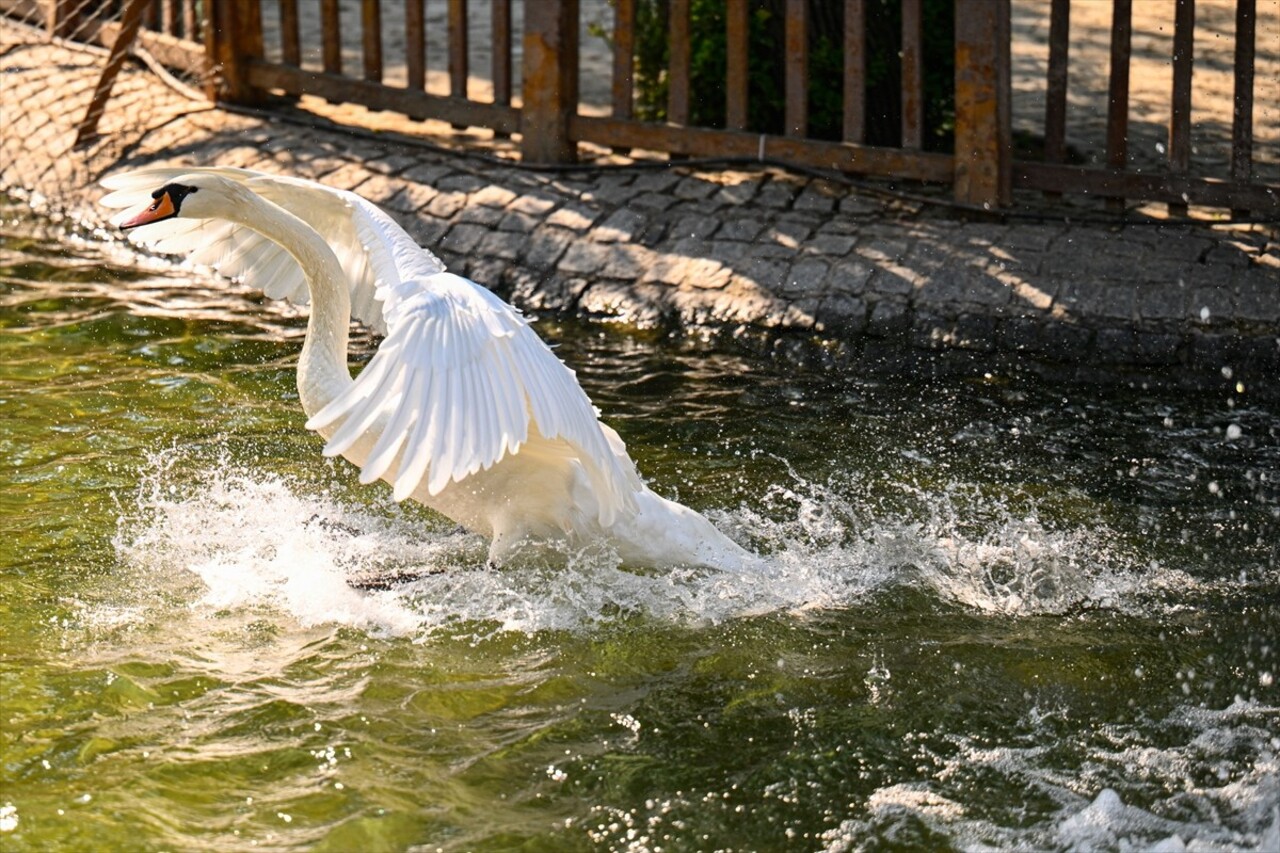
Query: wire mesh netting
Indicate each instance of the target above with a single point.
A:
(64, 118)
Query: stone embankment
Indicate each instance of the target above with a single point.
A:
(764, 257)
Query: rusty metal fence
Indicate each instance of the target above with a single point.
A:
(375, 53)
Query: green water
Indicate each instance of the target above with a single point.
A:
(998, 614)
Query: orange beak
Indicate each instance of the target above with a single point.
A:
(161, 208)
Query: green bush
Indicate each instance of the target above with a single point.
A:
(765, 86)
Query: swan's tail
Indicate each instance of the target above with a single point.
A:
(664, 533)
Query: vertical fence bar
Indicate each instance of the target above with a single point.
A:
(624, 46)
(1055, 107)
(737, 37)
(190, 29)
(458, 48)
(290, 41)
(796, 109)
(1118, 92)
(1055, 102)
(678, 74)
(1180, 111)
(169, 17)
(855, 71)
(550, 87)
(64, 18)
(371, 39)
(1242, 109)
(500, 26)
(330, 36)
(912, 75)
(983, 158)
(415, 44)
(236, 27)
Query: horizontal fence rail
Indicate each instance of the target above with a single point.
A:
(876, 109)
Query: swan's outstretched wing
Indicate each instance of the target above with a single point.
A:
(376, 254)
(457, 384)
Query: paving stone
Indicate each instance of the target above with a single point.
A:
(693, 188)
(1125, 345)
(653, 201)
(463, 238)
(1034, 237)
(492, 196)
(788, 232)
(625, 261)
(843, 312)
(1257, 295)
(637, 304)
(807, 277)
(391, 164)
(776, 194)
(519, 222)
(462, 183)
(850, 276)
(831, 244)
(574, 217)
(706, 274)
(500, 244)
(545, 246)
(741, 229)
(612, 190)
(880, 249)
(427, 173)
(481, 215)
(533, 204)
(381, 190)
(622, 225)
(655, 181)
(701, 226)
(892, 280)
(1092, 298)
(814, 200)
(425, 231)
(737, 194)
(766, 272)
(888, 318)
(445, 204)
(962, 283)
(584, 258)
(1160, 302)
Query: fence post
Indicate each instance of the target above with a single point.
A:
(63, 18)
(984, 135)
(550, 81)
(234, 39)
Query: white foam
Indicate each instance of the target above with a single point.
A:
(258, 539)
(1187, 812)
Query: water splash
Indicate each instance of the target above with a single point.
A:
(254, 538)
(1199, 810)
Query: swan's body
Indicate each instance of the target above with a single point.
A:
(463, 407)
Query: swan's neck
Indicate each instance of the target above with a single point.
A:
(322, 366)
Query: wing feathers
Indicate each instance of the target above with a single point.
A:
(460, 379)
(457, 385)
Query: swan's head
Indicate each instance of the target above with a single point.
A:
(194, 196)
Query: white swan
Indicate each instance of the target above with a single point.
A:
(462, 408)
